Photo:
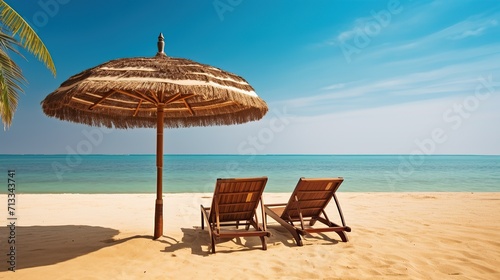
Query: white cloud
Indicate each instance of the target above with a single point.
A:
(334, 86)
(448, 57)
(359, 24)
(473, 26)
(468, 33)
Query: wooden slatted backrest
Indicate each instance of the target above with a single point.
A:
(313, 196)
(236, 198)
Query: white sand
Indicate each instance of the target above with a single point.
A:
(395, 236)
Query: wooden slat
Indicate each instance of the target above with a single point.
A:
(232, 223)
(153, 94)
(108, 106)
(145, 97)
(306, 208)
(309, 201)
(237, 193)
(141, 96)
(197, 107)
(101, 100)
(188, 107)
(314, 191)
(172, 99)
(178, 97)
(137, 109)
(236, 204)
(235, 213)
(112, 99)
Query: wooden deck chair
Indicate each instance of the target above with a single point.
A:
(307, 203)
(235, 203)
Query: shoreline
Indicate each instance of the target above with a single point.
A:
(411, 235)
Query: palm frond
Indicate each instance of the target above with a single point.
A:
(8, 103)
(11, 79)
(7, 42)
(28, 37)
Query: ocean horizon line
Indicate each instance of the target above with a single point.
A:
(222, 154)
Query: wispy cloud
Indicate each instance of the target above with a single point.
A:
(449, 57)
(374, 23)
(334, 86)
(358, 25)
(473, 26)
(454, 79)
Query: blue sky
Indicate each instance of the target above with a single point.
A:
(340, 77)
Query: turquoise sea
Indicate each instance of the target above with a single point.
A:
(197, 173)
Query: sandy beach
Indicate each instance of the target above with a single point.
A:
(394, 236)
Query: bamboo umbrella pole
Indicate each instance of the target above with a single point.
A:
(159, 173)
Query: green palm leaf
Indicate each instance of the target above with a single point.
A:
(11, 76)
(28, 37)
(10, 80)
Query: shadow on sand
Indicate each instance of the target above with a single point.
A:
(281, 235)
(46, 245)
(192, 239)
(198, 241)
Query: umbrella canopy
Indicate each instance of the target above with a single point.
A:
(156, 92)
(126, 93)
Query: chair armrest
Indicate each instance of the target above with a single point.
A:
(275, 205)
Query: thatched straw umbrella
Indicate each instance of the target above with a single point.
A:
(156, 92)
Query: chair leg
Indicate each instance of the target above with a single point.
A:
(299, 242)
(264, 244)
(213, 245)
(202, 221)
(343, 236)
